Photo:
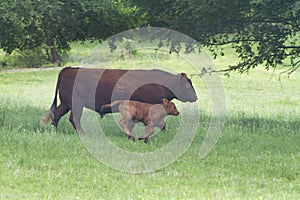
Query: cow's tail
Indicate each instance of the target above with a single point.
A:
(110, 106)
(45, 118)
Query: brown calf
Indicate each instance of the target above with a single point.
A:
(152, 115)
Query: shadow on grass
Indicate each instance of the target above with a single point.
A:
(286, 124)
(26, 117)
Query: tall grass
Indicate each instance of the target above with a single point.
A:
(250, 161)
(257, 156)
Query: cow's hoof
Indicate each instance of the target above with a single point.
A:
(80, 131)
(145, 139)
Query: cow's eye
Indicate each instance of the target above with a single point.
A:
(187, 85)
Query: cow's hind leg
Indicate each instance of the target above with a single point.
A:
(75, 117)
(60, 111)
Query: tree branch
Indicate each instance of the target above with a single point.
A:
(291, 69)
(289, 47)
(230, 42)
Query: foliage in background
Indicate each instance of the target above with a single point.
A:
(33, 58)
(262, 32)
(31, 24)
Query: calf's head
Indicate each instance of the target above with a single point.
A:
(184, 89)
(170, 107)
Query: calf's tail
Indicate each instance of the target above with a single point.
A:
(110, 106)
(45, 118)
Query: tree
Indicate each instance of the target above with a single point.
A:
(262, 32)
(54, 24)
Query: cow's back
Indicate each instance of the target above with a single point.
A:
(94, 87)
(149, 86)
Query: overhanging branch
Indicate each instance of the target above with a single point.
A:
(230, 42)
(289, 47)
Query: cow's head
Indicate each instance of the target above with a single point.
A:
(184, 89)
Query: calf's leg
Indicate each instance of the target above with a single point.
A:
(162, 125)
(127, 125)
(148, 132)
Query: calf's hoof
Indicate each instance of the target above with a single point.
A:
(131, 137)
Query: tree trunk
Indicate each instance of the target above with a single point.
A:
(48, 54)
(54, 53)
(126, 54)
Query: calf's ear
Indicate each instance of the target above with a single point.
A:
(165, 101)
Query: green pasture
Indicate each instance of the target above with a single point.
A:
(256, 157)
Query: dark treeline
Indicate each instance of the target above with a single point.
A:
(262, 32)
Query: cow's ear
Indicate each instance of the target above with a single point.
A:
(185, 80)
(181, 76)
(165, 101)
(184, 75)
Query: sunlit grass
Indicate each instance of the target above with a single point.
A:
(257, 156)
